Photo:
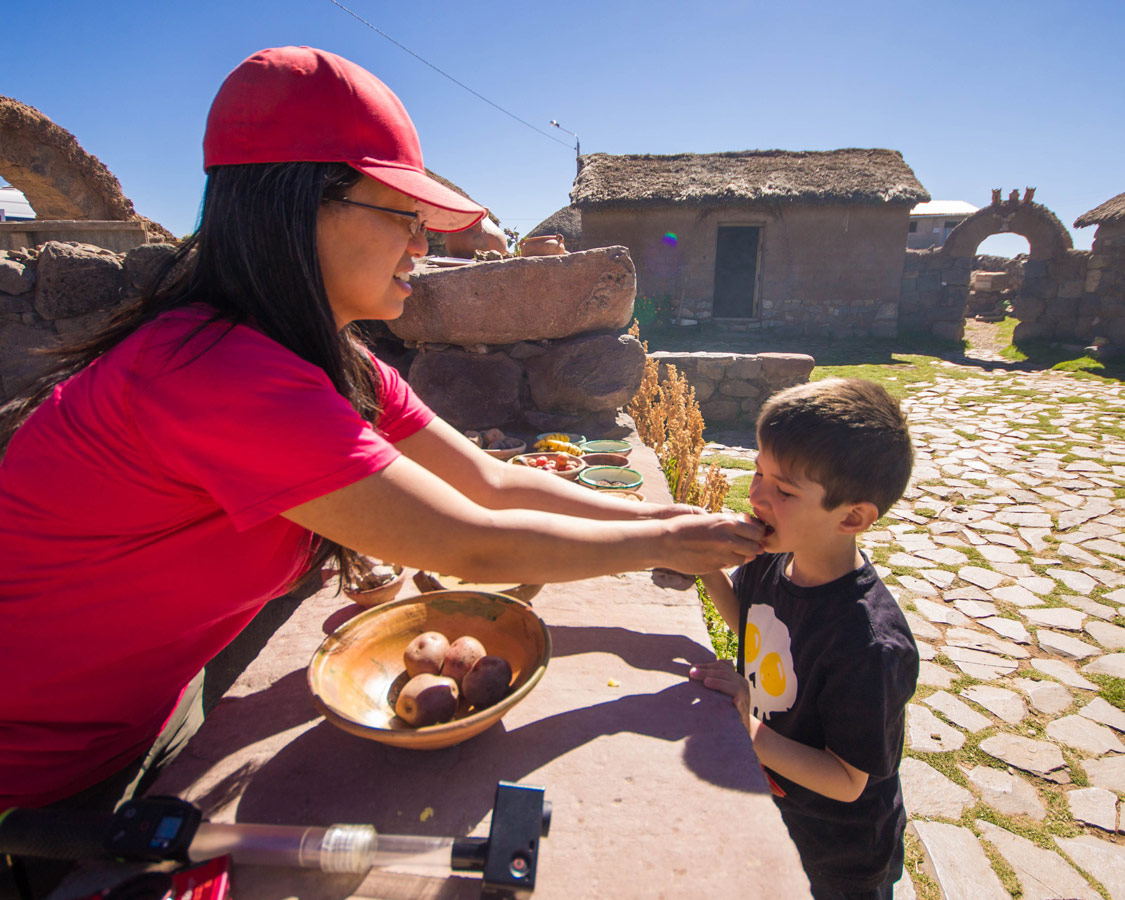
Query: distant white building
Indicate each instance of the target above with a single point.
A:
(931, 222)
(13, 206)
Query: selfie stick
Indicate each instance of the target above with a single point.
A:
(160, 828)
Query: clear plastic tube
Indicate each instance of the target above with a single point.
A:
(338, 848)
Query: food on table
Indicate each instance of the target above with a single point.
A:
(507, 443)
(487, 681)
(427, 699)
(375, 577)
(426, 653)
(475, 437)
(552, 462)
(492, 434)
(553, 442)
(461, 656)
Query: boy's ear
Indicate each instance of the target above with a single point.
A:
(859, 517)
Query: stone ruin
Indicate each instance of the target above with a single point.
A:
(1057, 293)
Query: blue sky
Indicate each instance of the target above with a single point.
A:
(975, 95)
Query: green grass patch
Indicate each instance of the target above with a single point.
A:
(729, 462)
(1110, 689)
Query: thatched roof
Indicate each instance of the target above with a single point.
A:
(566, 221)
(869, 177)
(449, 184)
(1113, 210)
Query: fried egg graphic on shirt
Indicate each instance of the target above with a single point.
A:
(769, 663)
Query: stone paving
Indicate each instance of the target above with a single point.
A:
(1008, 555)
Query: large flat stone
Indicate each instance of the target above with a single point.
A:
(985, 666)
(983, 578)
(1017, 595)
(1043, 874)
(589, 373)
(1064, 644)
(1112, 637)
(1008, 628)
(1110, 664)
(928, 793)
(1037, 757)
(1099, 710)
(1002, 703)
(957, 712)
(469, 390)
(933, 675)
(978, 640)
(1056, 617)
(1082, 734)
(522, 299)
(957, 862)
(1064, 672)
(939, 612)
(926, 733)
(1108, 773)
(1007, 793)
(1079, 582)
(1046, 696)
(1101, 859)
(1094, 806)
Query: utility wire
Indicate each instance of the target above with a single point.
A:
(447, 75)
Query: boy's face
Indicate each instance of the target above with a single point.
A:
(792, 508)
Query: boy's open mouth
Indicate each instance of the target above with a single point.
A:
(766, 525)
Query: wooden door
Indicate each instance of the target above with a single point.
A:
(736, 272)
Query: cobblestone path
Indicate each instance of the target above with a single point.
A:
(1008, 556)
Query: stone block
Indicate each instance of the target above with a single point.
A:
(535, 298)
(733, 387)
(949, 331)
(957, 862)
(16, 277)
(74, 279)
(722, 410)
(469, 390)
(142, 263)
(587, 374)
(745, 366)
(791, 367)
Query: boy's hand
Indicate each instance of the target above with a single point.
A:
(721, 676)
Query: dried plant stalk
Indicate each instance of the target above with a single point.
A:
(712, 492)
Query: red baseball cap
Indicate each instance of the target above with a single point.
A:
(299, 104)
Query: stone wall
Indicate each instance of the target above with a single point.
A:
(1057, 293)
(821, 269)
(731, 387)
(58, 291)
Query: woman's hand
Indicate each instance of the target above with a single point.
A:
(721, 676)
(695, 544)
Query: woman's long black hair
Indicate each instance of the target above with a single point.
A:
(253, 259)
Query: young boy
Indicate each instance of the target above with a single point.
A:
(826, 661)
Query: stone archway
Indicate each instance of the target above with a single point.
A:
(935, 290)
(1047, 236)
(59, 179)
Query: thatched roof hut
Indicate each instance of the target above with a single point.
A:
(850, 176)
(567, 222)
(1113, 210)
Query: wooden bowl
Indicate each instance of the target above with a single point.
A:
(607, 445)
(572, 472)
(356, 674)
(611, 478)
(376, 595)
(605, 459)
(430, 581)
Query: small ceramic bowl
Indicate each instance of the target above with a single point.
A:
(611, 478)
(576, 439)
(605, 459)
(506, 448)
(380, 592)
(356, 674)
(607, 445)
(573, 464)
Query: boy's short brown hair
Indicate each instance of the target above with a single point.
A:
(846, 434)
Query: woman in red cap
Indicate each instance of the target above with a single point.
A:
(223, 437)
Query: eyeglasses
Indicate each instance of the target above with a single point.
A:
(416, 223)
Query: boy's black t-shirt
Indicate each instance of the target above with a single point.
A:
(832, 666)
